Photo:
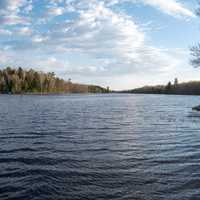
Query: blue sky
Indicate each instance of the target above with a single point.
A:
(118, 43)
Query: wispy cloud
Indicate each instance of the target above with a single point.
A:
(170, 7)
(10, 12)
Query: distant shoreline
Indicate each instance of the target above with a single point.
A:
(188, 88)
(165, 94)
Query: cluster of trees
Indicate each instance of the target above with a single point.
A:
(189, 88)
(17, 81)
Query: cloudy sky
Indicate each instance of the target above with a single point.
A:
(118, 43)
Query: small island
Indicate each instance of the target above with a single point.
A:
(21, 81)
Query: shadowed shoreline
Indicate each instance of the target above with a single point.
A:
(187, 88)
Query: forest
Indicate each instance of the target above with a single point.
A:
(187, 88)
(21, 81)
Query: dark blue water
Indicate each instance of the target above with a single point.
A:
(99, 147)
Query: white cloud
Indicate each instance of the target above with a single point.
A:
(25, 31)
(98, 41)
(171, 7)
(104, 35)
(28, 8)
(55, 11)
(11, 5)
(39, 38)
(13, 20)
(5, 32)
(10, 12)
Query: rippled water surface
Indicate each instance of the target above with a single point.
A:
(99, 147)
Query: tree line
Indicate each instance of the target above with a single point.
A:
(17, 81)
(188, 88)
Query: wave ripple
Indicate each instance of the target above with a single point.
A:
(98, 147)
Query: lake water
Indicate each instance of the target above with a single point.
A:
(137, 147)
